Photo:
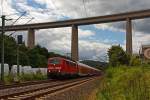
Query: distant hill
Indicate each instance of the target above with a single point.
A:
(96, 64)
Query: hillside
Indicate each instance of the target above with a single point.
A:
(96, 64)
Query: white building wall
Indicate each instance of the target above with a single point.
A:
(6, 69)
(23, 69)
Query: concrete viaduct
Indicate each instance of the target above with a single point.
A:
(74, 23)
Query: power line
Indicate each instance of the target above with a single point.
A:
(25, 23)
(21, 18)
(18, 18)
(29, 20)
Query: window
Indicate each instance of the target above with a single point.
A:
(73, 64)
(54, 61)
(70, 64)
(67, 63)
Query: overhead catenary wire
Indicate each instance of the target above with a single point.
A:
(22, 18)
(29, 20)
(25, 23)
(19, 18)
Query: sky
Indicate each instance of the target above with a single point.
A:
(95, 39)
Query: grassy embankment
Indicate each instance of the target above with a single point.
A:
(125, 83)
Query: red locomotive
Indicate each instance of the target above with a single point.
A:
(58, 66)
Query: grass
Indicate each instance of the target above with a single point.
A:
(125, 83)
(8, 79)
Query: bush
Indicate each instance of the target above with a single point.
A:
(32, 76)
(8, 79)
(39, 76)
(26, 77)
(135, 61)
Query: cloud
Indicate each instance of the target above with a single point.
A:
(59, 39)
(85, 33)
(92, 50)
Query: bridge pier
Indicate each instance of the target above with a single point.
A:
(129, 36)
(31, 38)
(74, 43)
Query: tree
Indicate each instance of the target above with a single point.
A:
(9, 50)
(117, 56)
(41, 50)
(23, 57)
(36, 59)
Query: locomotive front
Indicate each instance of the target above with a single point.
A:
(54, 67)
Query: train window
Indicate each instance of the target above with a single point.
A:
(73, 64)
(54, 61)
(67, 62)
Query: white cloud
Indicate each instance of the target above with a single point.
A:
(85, 33)
(59, 39)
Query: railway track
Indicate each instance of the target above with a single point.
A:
(24, 84)
(44, 89)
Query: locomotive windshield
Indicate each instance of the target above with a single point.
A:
(54, 61)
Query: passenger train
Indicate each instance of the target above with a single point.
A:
(62, 67)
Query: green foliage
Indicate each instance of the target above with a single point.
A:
(36, 57)
(42, 51)
(32, 76)
(135, 61)
(39, 76)
(117, 56)
(9, 50)
(26, 77)
(8, 79)
(125, 83)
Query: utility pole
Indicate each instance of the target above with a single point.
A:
(18, 69)
(2, 48)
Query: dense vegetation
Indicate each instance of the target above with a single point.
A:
(36, 57)
(125, 83)
(126, 78)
